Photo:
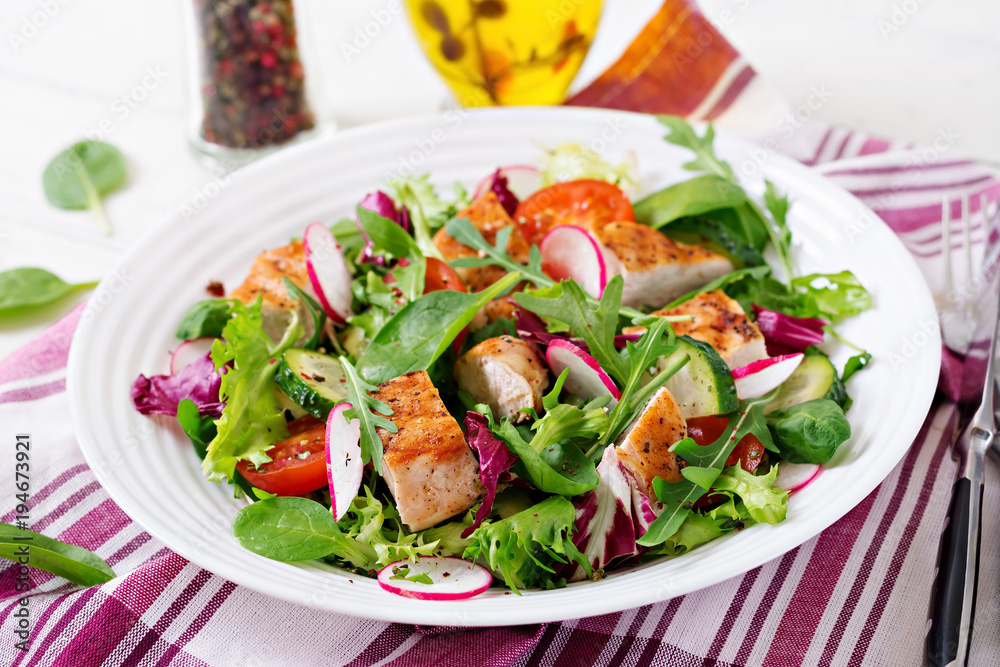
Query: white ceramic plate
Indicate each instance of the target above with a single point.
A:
(152, 472)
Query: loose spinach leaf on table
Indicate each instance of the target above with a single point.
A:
(709, 192)
(421, 332)
(205, 319)
(809, 432)
(79, 176)
(24, 289)
(71, 562)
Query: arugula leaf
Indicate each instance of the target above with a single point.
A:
(701, 194)
(205, 319)
(79, 176)
(419, 333)
(835, 295)
(389, 237)
(495, 254)
(749, 213)
(370, 412)
(566, 302)
(28, 288)
(252, 419)
(722, 282)
(524, 547)
(678, 497)
(778, 205)
(314, 309)
(68, 561)
(809, 432)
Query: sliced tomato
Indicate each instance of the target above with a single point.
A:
(298, 463)
(586, 203)
(439, 276)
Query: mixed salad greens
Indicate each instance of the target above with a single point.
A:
(645, 430)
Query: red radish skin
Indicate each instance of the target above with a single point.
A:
(761, 377)
(454, 579)
(570, 252)
(189, 351)
(344, 469)
(328, 272)
(586, 377)
(522, 179)
(793, 477)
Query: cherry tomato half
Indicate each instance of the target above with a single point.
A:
(586, 203)
(298, 463)
(439, 276)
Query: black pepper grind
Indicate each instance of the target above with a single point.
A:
(252, 83)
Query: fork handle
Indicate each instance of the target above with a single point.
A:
(953, 596)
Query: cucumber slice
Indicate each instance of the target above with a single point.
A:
(312, 380)
(704, 386)
(815, 378)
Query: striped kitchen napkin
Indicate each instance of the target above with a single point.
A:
(855, 595)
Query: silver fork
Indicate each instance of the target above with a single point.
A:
(969, 321)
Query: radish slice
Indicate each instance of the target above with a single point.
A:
(343, 459)
(761, 377)
(794, 477)
(190, 351)
(453, 578)
(586, 377)
(328, 272)
(522, 180)
(570, 252)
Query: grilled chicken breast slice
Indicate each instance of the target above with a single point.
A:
(720, 321)
(644, 447)
(506, 374)
(429, 468)
(489, 217)
(656, 270)
(264, 280)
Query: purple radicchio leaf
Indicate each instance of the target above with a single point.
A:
(498, 186)
(531, 329)
(494, 460)
(381, 203)
(197, 381)
(785, 334)
(622, 339)
(605, 528)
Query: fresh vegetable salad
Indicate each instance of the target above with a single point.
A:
(529, 385)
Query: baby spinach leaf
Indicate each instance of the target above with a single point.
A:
(854, 364)
(809, 432)
(421, 332)
(79, 176)
(701, 194)
(200, 430)
(205, 319)
(71, 562)
(370, 411)
(27, 288)
(289, 529)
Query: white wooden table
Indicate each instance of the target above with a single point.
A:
(903, 69)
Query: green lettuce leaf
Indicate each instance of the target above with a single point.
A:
(764, 501)
(524, 548)
(252, 420)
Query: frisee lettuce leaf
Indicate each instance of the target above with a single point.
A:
(524, 548)
(252, 419)
(569, 161)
